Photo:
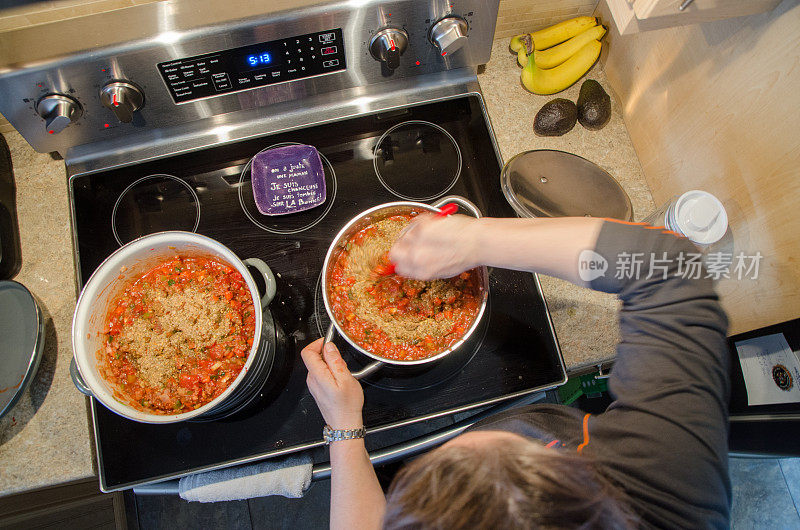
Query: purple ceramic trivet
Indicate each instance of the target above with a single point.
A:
(287, 179)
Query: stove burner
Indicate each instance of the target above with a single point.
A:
(286, 224)
(420, 149)
(152, 204)
(403, 378)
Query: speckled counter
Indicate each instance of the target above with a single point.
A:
(585, 321)
(46, 438)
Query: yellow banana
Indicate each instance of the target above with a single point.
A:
(525, 49)
(547, 37)
(556, 55)
(516, 42)
(556, 79)
(522, 57)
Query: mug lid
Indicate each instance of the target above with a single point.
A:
(701, 217)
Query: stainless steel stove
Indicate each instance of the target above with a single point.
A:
(158, 134)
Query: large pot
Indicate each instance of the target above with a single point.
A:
(360, 222)
(110, 279)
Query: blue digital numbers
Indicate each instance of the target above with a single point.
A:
(259, 59)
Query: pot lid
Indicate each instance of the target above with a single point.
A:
(21, 337)
(547, 183)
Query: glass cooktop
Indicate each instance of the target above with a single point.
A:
(431, 150)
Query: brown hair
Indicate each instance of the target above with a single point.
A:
(511, 484)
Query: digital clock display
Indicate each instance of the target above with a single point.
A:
(254, 65)
(259, 59)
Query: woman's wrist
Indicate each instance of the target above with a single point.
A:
(480, 240)
(345, 449)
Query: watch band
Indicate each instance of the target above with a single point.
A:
(330, 434)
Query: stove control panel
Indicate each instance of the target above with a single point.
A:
(247, 67)
(201, 74)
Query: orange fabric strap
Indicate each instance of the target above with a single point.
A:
(585, 433)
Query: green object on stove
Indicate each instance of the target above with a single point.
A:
(587, 384)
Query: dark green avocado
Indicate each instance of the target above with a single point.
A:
(555, 118)
(594, 106)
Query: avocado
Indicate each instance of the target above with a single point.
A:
(594, 106)
(555, 118)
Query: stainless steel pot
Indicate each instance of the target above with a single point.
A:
(114, 275)
(360, 222)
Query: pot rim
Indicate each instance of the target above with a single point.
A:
(328, 262)
(111, 265)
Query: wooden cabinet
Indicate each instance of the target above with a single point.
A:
(632, 16)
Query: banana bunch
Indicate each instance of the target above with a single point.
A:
(554, 58)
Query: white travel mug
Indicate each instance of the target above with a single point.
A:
(696, 214)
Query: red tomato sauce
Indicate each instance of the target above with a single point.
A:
(191, 370)
(396, 297)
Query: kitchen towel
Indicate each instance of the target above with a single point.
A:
(289, 477)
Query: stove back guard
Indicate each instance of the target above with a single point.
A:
(95, 56)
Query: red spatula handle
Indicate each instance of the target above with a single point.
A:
(448, 209)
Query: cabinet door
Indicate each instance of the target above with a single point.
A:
(700, 10)
(632, 16)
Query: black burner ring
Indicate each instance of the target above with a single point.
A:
(420, 149)
(164, 201)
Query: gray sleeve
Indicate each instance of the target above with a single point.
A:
(665, 434)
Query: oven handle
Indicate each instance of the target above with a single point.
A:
(384, 456)
(364, 372)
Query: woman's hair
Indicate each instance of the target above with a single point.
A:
(510, 484)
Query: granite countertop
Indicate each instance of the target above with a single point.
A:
(585, 321)
(46, 439)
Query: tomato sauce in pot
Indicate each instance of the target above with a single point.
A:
(178, 335)
(392, 316)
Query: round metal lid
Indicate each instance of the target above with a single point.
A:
(549, 183)
(21, 341)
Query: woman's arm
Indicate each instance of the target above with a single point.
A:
(664, 437)
(443, 247)
(357, 499)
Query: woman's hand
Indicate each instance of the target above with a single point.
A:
(435, 247)
(339, 396)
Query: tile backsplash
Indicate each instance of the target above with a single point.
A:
(523, 16)
(37, 13)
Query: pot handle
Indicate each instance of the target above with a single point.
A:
(461, 201)
(364, 372)
(269, 279)
(77, 379)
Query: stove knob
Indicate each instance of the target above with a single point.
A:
(388, 45)
(123, 98)
(58, 111)
(449, 34)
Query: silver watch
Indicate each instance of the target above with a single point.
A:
(334, 435)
